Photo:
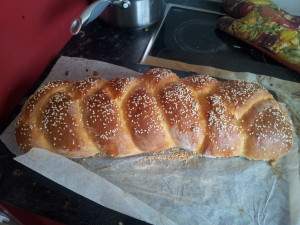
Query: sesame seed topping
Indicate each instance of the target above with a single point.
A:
(198, 81)
(180, 107)
(102, 115)
(71, 115)
(143, 113)
(58, 121)
(238, 92)
(31, 103)
(160, 74)
(271, 126)
(222, 125)
(119, 84)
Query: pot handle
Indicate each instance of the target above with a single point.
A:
(91, 13)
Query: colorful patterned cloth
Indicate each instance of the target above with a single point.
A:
(261, 23)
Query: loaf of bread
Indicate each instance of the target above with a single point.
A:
(262, 24)
(154, 112)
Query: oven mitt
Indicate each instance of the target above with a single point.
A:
(262, 24)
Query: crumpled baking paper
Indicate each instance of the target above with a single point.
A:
(194, 190)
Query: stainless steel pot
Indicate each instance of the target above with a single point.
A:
(121, 13)
(140, 14)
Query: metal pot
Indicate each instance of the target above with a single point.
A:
(121, 13)
(140, 14)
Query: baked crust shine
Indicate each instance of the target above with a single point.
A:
(157, 111)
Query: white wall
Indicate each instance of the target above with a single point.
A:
(291, 6)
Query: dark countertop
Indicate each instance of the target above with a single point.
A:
(119, 46)
(26, 189)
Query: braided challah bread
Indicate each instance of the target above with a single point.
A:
(154, 112)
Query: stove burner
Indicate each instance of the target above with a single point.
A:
(188, 37)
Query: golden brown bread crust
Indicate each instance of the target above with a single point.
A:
(145, 122)
(181, 112)
(157, 111)
(268, 135)
(28, 132)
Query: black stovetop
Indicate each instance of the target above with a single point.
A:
(190, 35)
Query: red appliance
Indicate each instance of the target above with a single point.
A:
(32, 34)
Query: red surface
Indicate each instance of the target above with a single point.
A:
(32, 34)
(23, 217)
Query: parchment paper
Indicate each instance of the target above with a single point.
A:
(196, 190)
